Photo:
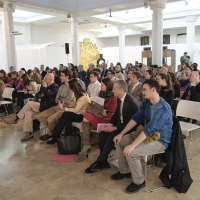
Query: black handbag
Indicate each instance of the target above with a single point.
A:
(69, 144)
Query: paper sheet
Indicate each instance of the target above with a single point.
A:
(99, 100)
(115, 162)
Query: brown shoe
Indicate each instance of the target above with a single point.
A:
(28, 136)
(45, 137)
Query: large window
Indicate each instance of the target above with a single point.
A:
(144, 40)
(166, 39)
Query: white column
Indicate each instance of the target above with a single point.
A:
(190, 20)
(157, 31)
(9, 41)
(75, 40)
(122, 45)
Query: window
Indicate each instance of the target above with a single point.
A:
(166, 39)
(144, 40)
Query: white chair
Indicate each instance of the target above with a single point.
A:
(188, 109)
(7, 94)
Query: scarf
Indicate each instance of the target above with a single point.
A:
(108, 95)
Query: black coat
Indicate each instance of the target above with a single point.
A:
(104, 74)
(177, 165)
(130, 107)
(195, 93)
(49, 95)
(43, 74)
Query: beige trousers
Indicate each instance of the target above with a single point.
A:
(50, 117)
(28, 112)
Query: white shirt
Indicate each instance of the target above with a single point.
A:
(93, 89)
(121, 108)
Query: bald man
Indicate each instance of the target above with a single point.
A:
(45, 100)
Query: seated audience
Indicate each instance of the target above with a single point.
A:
(23, 69)
(29, 91)
(94, 87)
(60, 69)
(46, 99)
(184, 82)
(73, 114)
(34, 76)
(188, 61)
(155, 68)
(42, 72)
(175, 84)
(82, 72)
(50, 116)
(149, 74)
(129, 75)
(4, 77)
(11, 69)
(12, 81)
(127, 68)
(110, 105)
(90, 69)
(164, 70)
(159, 70)
(99, 72)
(166, 91)
(188, 68)
(71, 67)
(111, 75)
(105, 70)
(36, 70)
(144, 69)
(75, 76)
(112, 67)
(158, 116)
(127, 106)
(194, 67)
(118, 73)
(135, 88)
(178, 73)
(56, 77)
(19, 82)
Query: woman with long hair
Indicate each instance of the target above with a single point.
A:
(4, 77)
(29, 91)
(175, 84)
(129, 75)
(166, 91)
(149, 74)
(34, 76)
(74, 113)
(110, 105)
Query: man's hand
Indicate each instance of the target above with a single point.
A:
(117, 138)
(128, 149)
(44, 84)
(111, 129)
(60, 105)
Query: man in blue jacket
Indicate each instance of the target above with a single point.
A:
(158, 115)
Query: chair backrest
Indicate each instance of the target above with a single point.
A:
(7, 93)
(189, 109)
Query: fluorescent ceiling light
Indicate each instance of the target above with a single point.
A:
(25, 16)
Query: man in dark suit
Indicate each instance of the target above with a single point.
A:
(105, 71)
(136, 87)
(42, 72)
(127, 106)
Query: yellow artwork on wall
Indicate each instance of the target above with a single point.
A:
(89, 53)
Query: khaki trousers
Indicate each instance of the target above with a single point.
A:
(50, 117)
(28, 112)
(132, 162)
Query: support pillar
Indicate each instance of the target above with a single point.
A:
(7, 28)
(75, 40)
(190, 20)
(122, 45)
(157, 31)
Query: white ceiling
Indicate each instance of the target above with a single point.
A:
(94, 14)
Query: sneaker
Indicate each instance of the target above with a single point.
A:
(11, 121)
(28, 136)
(133, 188)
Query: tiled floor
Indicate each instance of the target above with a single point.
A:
(27, 173)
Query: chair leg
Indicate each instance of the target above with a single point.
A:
(146, 181)
(6, 113)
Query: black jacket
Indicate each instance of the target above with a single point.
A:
(104, 74)
(83, 74)
(195, 93)
(43, 74)
(49, 95)
(130, 107)
(177, 165)
(167, 96)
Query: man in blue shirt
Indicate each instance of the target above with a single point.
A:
(157, 113)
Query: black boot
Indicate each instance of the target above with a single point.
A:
(52, 141)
